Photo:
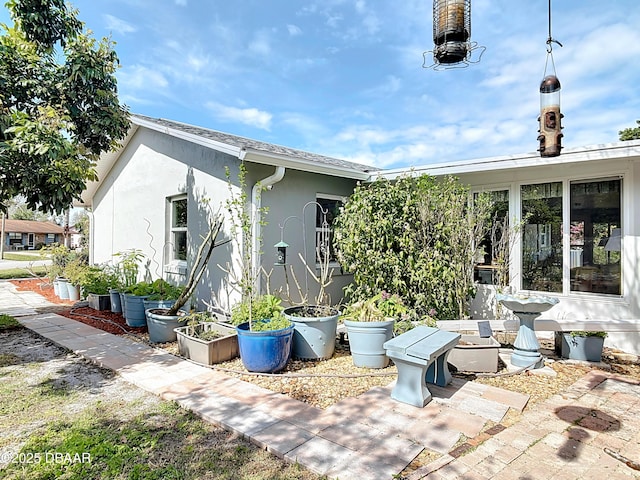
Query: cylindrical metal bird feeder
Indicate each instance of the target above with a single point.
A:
(550, 137)
(451, 30)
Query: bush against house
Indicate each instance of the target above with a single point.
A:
(414, 236)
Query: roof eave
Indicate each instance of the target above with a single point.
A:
(618, 150)
(266, 158)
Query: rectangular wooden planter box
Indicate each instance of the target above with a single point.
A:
(208, 352)
(99, 302)
(475, 354)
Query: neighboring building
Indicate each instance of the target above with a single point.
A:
(580, 238)
(31, 234)
(156, 192)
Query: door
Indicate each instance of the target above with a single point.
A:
(30, 241)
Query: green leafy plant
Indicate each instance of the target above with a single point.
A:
(582, 333)
(414, 236)
(128, 266)
(380, 307)
(263, 307)
(8, 322)
(97, 280)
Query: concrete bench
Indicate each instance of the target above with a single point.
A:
(421, 357)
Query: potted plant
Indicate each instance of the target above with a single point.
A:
(370, 324)
(74, 271)
(164, 320)
(95, 284)
(581, 345)
(264, 335)
(161, 297)
(205, 341)
(315, 326)
(125, 276)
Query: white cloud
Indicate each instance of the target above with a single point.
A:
(118, 25)
(181, 3)
(139, 77)
(294, 30)
(248, 116)
(261, 43)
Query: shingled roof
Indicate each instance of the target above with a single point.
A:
(31, 226)
(248, 144)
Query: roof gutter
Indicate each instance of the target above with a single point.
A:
(256, 227)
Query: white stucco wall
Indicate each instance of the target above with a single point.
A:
(577, 305)
(131, 208)
(155, 166)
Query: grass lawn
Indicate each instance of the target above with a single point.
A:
(24, 257)
(22, 272)
(65, 418)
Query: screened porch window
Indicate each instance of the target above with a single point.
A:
(492, 259)
(542, 237)
(596, 236)
(327, 210)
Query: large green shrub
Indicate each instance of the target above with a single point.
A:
(413, 236)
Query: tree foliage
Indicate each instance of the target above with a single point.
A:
(416, 237)
(630, 133)
(59, 106)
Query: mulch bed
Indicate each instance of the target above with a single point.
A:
(103, 319)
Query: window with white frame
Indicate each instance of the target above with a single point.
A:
(178, 228)
(595, 236)
(492, 259)
(327, 209)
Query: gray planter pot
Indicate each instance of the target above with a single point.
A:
(314, 338)
(63, 288)
(207, 352)
(475, 354)
(587, 349)
(162, 327)
(134, 310)
(366, 340)
(116, 303)
(74, 292)
(99, 302)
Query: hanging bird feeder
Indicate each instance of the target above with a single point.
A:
(452, 34)
(550, 119)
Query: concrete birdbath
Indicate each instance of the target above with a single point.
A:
(527, 309)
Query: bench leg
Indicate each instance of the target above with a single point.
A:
(438, 372)
(411, 387)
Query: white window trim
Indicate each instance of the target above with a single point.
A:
(174, 265)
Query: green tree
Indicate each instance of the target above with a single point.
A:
(59, 106)
(630, 133)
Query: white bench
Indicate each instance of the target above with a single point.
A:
(421, 357)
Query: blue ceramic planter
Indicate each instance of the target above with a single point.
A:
(264, 352)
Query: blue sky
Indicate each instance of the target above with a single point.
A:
(344, 77)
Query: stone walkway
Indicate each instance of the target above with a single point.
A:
(372, 436)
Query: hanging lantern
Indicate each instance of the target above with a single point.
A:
(550, 137)
(281, 256)
(452, 34)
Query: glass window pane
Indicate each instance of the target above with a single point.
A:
(179, 214)
(595, 236)
(542, 237)
(494, 247)
(180, 245)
